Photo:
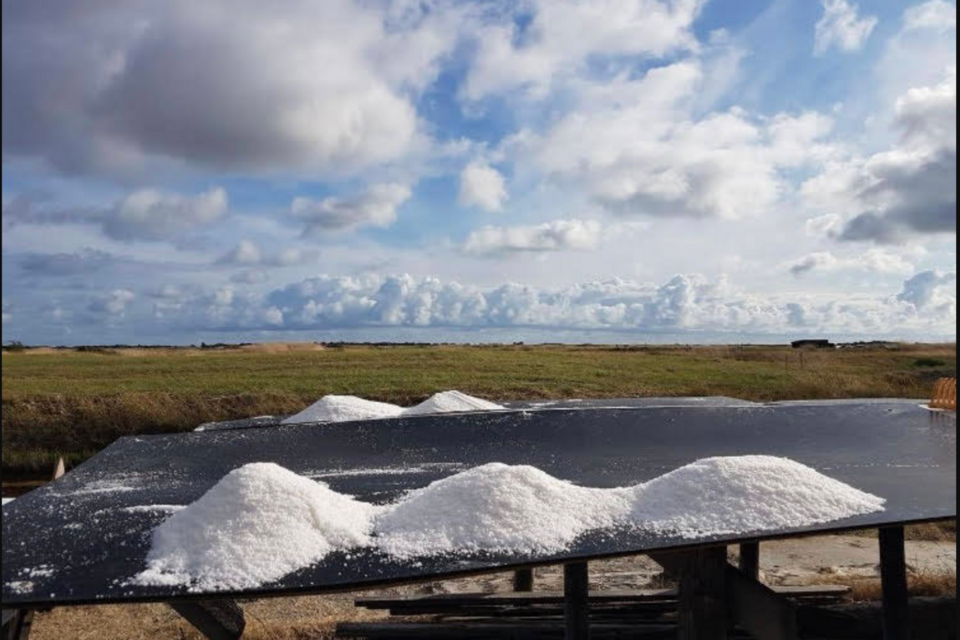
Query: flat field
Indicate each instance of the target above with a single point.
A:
(73, 403)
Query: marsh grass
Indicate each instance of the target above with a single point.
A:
(70, 403)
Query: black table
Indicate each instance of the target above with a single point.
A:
(78, 542)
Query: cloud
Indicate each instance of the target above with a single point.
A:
(909, 190)
(245, 253)
(66, 264)
(685, 303)
(639, 147)
(108, 89)
(873, 261)
(144, 214)
(560, 37)
(931, 290)
(114, 303)
(937, 15)
(482, 186)
(375, 207)
(559, 235)
(248, 253)
(842, 28)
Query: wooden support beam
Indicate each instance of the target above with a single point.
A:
(523, 580)
(702, 613)
(17, 624)
(576, 603)
(215, 619)
(750, 559)
(893, 572)
(750, 605)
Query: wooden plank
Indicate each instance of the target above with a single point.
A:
(17, 624)
(702, 605)
(453, 600)
(758, 609)
(59, 469)
(215, 619)
(893, 572)
(497, 631)
(750, 559)
(576, 602)
(523, 580)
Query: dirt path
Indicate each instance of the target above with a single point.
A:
(789, 562)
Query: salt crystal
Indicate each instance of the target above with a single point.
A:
(344, 409)
(451, 402)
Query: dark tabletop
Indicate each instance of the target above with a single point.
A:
(77, 540)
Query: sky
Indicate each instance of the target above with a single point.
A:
(179, 172)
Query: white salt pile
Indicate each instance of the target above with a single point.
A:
(259, 523)
(7, 500)
(722, 496)
(451, 402)
(497, 507)
(344, 409)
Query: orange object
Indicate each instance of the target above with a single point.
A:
(945, 394)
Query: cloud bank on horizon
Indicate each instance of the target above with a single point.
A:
(176, 171)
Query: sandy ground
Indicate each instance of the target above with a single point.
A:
(789, 562)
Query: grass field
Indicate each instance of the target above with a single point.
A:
(73, 404)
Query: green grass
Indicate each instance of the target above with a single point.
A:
(73, 404)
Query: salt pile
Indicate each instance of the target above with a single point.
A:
(496, 507)
(451, 402)
(724, 496)
(259, 523)
(344, 409)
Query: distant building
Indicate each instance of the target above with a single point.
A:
(812, 344)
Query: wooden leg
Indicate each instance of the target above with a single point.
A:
(523, 580)
(750, 559)
(702, 611)
(893, 572)
(215, 619)
(576, 601)
(16, 624)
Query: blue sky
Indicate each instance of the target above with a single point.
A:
(179, 172)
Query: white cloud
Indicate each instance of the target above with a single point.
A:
(245, 253)
(874, 261)
(907, 191)
(375, 207)
(248, 253)
(562, 35)
(936, 14)
(559, 235)
(144, 214)
(931, 290)
(684, 303)
(482, 186)
(114, 303)
(841, 27)
(638, 147)
(326, 88)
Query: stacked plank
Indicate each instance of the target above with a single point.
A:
(640, 614)
(945, 395)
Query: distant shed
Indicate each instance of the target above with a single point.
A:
(812, 344)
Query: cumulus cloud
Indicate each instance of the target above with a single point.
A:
(108, 87)
(248, 253)
(638, 147)
(908, 190)
(559, 235)
(482, 186)
(375, 207)
(685, 303)
(112, 304)
(873, 261)
(842, 28)
(561, 36)
(931, 290)
(144, 214)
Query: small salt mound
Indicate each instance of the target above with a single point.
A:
(344, 409)
(496, 507)
(451, 402)
(722, 496)
(259, 523)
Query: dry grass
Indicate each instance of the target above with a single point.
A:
(74, 404)
(920, 584)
